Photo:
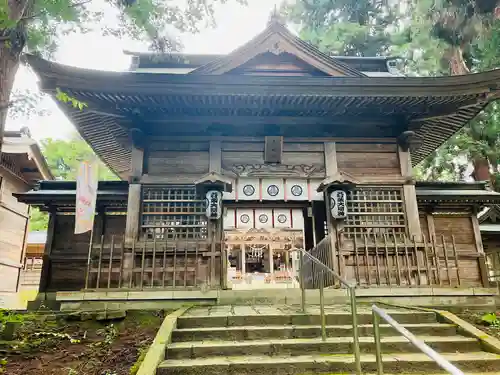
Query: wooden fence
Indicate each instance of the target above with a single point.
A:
(168, 264)
(388, 260)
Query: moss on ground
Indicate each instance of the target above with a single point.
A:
(76, 344)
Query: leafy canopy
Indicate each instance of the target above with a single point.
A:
(64, 158)
(433, 37)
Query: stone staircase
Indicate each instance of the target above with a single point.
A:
(256, 340)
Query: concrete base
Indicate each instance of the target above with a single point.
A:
(444, 298)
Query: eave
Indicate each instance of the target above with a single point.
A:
(433, 107)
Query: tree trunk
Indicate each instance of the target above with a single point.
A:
(10, 52)
(481, 169)
(457, 62)
(9, 64)
(459, 67)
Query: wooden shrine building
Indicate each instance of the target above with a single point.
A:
(22, 165)
(307, 151)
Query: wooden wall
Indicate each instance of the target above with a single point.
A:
(67, 253)
(459, 228)
(13, 225)
(185, 159)
(368, 159)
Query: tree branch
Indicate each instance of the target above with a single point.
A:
(75, 5)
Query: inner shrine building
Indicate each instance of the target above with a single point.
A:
(296, 150)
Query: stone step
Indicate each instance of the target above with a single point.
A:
(415, 363)
(240, 333)
(342, 318)
(297, 347)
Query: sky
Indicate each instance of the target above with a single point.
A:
(236, 24)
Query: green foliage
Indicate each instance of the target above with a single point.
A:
(110, 332)
(65, 98)
(491, 319)
(137, 365)
(38, 25)
(8, 316)
(64, 157)
(433, 37)
(3, 365)
(39, 221)
(346, 27)
(62, 336)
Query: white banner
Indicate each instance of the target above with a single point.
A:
(86, 195)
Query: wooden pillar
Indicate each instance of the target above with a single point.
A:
(243, 261)
(483, 268)
(215, 162)
(409, 194)
(134, 196)
(271, 261)
(429, 218)
(133, 213)
(46, 265)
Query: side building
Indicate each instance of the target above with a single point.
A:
(22, 166)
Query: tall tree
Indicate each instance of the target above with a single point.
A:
(435, 37)
(36, 25)
(470, 33)
(346, 27)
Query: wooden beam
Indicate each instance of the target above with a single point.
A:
(245, 139)
(46, 265)
(409, 194)
(431, 227)
(215, 155)
(133, 213)
(483, 268)
(273, 149)
(405, 162)
(411, 209)
(136, 165)
(331, 164)
(331, 130)
(242, 120)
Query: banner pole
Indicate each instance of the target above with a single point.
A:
(87, 276)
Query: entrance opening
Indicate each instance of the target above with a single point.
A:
(262, 247)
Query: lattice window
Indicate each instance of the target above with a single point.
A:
(173, 212)
(375, 210)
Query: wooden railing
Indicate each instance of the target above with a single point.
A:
(389, 260)
(167, 264)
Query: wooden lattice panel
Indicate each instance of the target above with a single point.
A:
(173, 212)
(375, 210)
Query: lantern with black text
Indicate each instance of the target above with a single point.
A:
(338, 204)
(214, 204)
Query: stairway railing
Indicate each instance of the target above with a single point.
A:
(318, 274)
(378, 314)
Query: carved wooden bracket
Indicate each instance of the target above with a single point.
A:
(276, 170)
(213, 180)
(134, 179)
(408, 140)
(137, 138)
(340, 180)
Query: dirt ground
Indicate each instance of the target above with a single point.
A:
(47, 345)
(474, 317)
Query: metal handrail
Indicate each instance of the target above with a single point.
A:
(378, 313)
(352, 298)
